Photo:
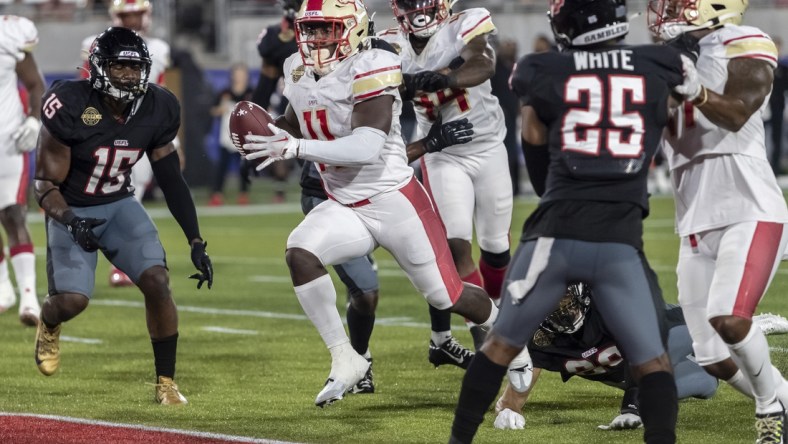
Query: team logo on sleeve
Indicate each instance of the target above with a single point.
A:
(91, 116)
(297, 73)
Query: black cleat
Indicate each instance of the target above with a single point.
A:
(365, 385)
(450, 352)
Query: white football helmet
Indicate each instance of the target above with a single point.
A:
(422, 18)
(120, 7)
(668, 19)
(330, 31)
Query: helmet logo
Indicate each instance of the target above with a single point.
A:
(421, 20)
(128, 54)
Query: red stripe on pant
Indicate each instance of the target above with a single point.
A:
(417, 196)
(24, 179)
(758, 268)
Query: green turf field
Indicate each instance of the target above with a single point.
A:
(251, 364)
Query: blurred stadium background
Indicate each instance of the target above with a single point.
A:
(207, 37)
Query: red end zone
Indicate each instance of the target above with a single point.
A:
(35, 429)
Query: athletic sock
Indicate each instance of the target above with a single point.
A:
(658, 407)
(360, 326)
(164, 350)
(23, 260)
(493, 278)
(479, 387)
(318, 299)
(440, 324)
(752, 355)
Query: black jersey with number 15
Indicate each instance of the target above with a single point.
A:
(605, 109)
(103, 149)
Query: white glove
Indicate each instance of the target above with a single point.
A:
(521, 372)
(625, 421)
(509, 420)
(26, 135)
(691, 88)
(280, 146)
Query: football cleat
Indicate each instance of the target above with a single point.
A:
(365, 385)
(7, 295)
(167, 392)
(47, 349)
(521, 372)
(118, 278)
(28, 315)
(347, 369)
(771, 324)
(770, 428)
(450, 352)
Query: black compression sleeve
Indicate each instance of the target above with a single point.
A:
(263, 91)
(537, 161)
(176, 192)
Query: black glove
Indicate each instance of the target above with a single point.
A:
(202, 263)
(409, 91)
(81, 229)
(687, 44)
(442, 135)
(430, 81)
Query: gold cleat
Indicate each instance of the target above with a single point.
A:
(47, 349)
(167, 392)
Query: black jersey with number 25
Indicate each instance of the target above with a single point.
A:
(605, 109)
(103, 149)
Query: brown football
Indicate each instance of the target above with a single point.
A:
(248, 118)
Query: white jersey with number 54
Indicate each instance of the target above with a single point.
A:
(477, 104)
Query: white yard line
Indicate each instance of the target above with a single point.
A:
(230, 331)
(80, 340)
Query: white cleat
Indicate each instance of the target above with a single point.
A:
(771, 324)
(7, 295)
(521, 371)
(347, 369)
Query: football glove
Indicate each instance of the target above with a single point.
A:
(687, 44)
(409, 90)
(443, 135)
(509, 420)
(280, 146)
(624, 421)
(202, 263)
(26, 136)
(81, 229)
(430, 81)
(691, 88)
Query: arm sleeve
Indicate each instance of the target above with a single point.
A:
(537, 162)
(167, 171)
(362, 147)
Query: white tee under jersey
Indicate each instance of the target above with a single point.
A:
(478, 104)
(18, 36)
(722, 177)
(159, 53)
(324, 108)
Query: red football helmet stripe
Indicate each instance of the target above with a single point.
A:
(314, 5)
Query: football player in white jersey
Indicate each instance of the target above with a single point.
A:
(136, 15)
(18, 134)
(730, 212)
(447, 63)
(343, 115)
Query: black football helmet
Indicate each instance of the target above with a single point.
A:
(571, 311)
(587, 22)
(289, 8)
(115, 45)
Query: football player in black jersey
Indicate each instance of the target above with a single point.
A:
(574, 341)
(93, 132)
(592, 117)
